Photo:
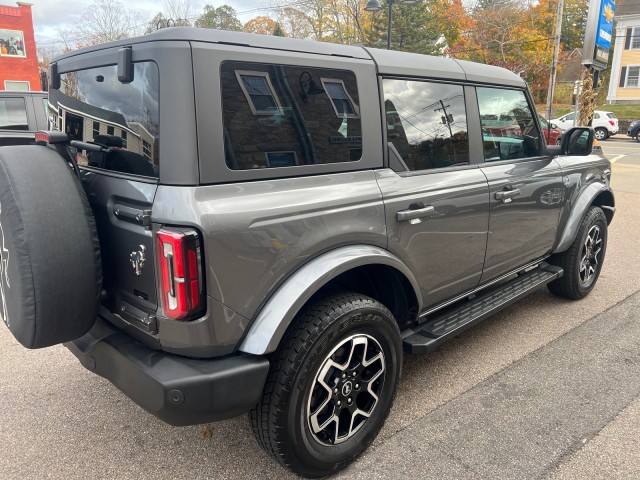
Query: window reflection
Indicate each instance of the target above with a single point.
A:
(427, 123)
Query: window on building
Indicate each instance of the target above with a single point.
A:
(22, 86)
(633, 74)
(426, 123)
(146, 149)
(110, 130)
(12, 43)
(96, 129)
(13, 114)
(259, 92)
(279, 116)
(635, 37)
(342, 102)
(123, 136)
(509, 130)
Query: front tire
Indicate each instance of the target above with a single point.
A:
(331, 385)
(638, 136)
(582, 262)
(601, 134)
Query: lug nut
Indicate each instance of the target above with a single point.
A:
(354, 374)
(335, 391)
(357, 386)
(344, 375)
(339, 403)
(349, 400)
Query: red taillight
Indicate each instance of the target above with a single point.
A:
(613, 124)
(42, 138)
(180, 272)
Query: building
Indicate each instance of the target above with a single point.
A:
(624, 85)
(18, 58)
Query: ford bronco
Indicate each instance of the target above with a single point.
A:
(227, 223)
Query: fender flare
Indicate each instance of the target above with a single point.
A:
(580, 207)
(277, 314)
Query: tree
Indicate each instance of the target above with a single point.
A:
(103, 21)
(277, 31)
(574, 23)
(221, 18)
(295, 22)
(261, 25)
(175, 13)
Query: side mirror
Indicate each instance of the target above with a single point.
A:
(577, 141)
(553, 125)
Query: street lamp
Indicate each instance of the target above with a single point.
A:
(375, 5)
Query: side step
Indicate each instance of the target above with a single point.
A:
(425, 337)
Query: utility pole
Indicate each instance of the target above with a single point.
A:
(554, 62)
(447, 120)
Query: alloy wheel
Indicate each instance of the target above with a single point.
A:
(590, 255)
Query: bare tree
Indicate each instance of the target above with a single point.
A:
(104, 21)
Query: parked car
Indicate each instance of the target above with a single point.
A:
(282, 223)
(551, 135)
(604, 123)
(21, 115)
(634, 130)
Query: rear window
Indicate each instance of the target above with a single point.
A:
(611, 115)
(13, 114)
(94, 106)
(283, 115)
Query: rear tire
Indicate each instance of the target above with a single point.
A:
(331, 385)
(637, 137)
(582, 262)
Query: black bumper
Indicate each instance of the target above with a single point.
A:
(178, 390)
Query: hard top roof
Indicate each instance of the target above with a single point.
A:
(389, 62)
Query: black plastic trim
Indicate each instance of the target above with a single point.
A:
(178, 390)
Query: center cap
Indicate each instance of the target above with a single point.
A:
(347, 388)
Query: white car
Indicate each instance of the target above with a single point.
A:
(605, 124)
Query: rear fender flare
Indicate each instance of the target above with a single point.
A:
(277, 314)
(580, 207)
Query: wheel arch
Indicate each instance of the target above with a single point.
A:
(595, 194)
(365, 269)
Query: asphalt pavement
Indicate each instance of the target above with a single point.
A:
(547, 388)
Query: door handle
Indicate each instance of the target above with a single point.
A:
(507, 195)
(405, 215)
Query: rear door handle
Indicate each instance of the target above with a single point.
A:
(507, 195)
(405, 215)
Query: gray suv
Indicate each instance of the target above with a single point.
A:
(228, 223)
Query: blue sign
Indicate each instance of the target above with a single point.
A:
(605, 24)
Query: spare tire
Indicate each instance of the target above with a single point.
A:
(50, 270)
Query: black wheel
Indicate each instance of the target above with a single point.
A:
(331, 385)
(583, 260)
(638, 136)
(601, 133)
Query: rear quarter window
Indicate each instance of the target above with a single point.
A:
(94, 106)
(284, 115)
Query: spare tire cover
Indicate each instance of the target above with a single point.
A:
(50, 270)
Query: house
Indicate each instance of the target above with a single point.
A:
(624, 85)
(18, 57)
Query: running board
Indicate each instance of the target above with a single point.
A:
(425, 337)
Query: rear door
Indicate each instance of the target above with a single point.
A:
(436, 199)
(94, 106)
(525, 185)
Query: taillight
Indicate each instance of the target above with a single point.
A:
(179, 267)
(613, 124)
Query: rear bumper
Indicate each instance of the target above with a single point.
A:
(178, 390)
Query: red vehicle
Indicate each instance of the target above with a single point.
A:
(552, 136)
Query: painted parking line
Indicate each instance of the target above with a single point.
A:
(616, 158)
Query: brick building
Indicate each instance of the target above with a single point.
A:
(18, 58)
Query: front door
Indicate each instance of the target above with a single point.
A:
(436, 203)
(525, 185)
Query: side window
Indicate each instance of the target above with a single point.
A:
(426, 123)
(568, 117)
(285, 115)
(509, 130)
(596, 116)
(13, 114)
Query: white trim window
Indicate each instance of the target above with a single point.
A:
(17, 85)
(12, 43)
(343, 104)
(635, 38)
(259, 92)
(633, 77)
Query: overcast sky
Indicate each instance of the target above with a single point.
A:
(49, 15)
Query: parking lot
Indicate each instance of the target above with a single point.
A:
(545, 389)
